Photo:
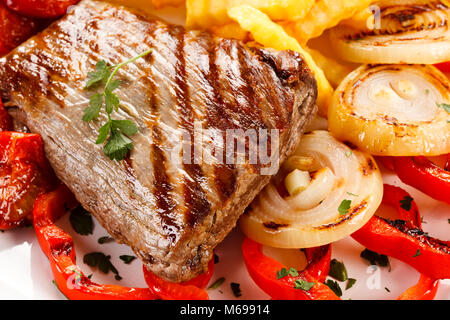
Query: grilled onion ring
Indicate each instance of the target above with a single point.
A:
(305, 220)
(412, 32)
(393, 110)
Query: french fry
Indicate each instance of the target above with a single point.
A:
(334, 71)
(232, 31)
(164, 3)
(326, 14)
(270, 34)
(207, 13)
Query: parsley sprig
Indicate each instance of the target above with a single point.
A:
(115, 133)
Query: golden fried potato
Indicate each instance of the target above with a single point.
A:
(164, 3)
(231, 31)
(334, 71)
(207, 13)
(326, 14)
(269, 34)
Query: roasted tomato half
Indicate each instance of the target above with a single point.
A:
(24, 175)
(40, 8)
(14, 29)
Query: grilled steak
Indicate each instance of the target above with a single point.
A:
(171, 209)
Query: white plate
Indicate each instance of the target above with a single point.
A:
(25, 272)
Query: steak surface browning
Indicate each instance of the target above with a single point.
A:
(171, 209)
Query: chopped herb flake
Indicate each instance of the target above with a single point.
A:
(350, 283)
(81, 221)
(236, 288)
(217, 284)
(338, 270)
(444, 106)
(334, 286)
(303, 285)
(127, 259)
(344, 207)
(406, 203)
(417, 254)
(100, 260)
(375, 258)
(104, 240)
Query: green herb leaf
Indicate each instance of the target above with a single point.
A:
(349, 153)
(127, 259)
(293, 272)
(104, 240)
(103, 133)
(114, 132)
(303, 285)
(344, 207)
(375, 258)
(81, 221)
(217, 284)
(117, 146)
(338, 270)
(282, 273)
(92, 112)
(111, 102)
(418, 253)
(406, 203)
(101, 74)
(100, 260)
(350, 283)
(352, 194)
(126, 126)
(236, 288)
(113, 85)
(334, 286)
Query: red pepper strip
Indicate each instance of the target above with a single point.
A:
(422, 174)
(263, 271)
(425, 289)
(5, 119)
(59, 248)
(394, 196)
(24, 175)
(190, 290)
(403, 240)
(444, 67)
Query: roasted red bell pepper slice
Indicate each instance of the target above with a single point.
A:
(59, 248)
(263, 271)
(444, 67)
(40, 8)
(404, 240)
(5, 119)
(24, 175)
(190, 290)
(425, 289)
(424, 175)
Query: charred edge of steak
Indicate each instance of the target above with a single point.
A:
(418, 234)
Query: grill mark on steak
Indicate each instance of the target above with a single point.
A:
(162, 186)
(197, 204)
(224, 174)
